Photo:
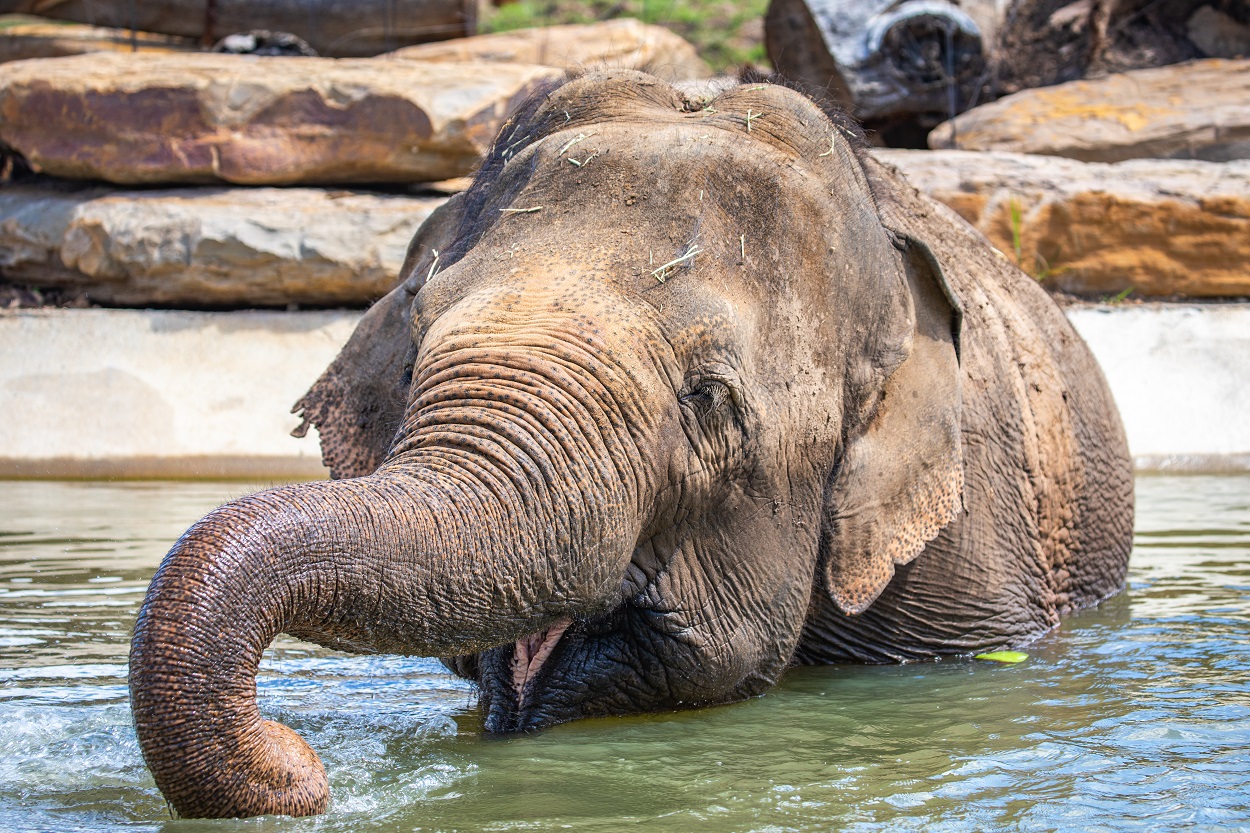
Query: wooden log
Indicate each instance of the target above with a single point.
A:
(990, 48)
(335, 28)
(24, 38)
(880, 59)
(1044, 42)
(204, 118)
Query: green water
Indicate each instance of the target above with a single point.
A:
(1132, 716)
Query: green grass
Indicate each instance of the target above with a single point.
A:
(1041, 268)
(9, 21)
(727, 33)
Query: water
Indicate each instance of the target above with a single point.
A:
(1133, 716)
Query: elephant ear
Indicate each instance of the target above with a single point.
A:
(358, 403)
(899, 480)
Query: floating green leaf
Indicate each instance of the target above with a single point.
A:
(1004, 656)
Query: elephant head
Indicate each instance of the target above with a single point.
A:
(663, 373)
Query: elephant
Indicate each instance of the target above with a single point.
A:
(682, 391)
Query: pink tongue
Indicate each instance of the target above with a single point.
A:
(531, 652)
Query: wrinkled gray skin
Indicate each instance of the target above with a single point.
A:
(691, 392)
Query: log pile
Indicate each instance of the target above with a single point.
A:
(887, 63)
(901, 67)
(335, 28)
(24, 39)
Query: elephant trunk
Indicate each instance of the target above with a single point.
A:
(428, 559)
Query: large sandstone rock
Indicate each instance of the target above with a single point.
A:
(623, 43)
(22, 38)
(208, 247)
(1157, 227)
(258, 121)
(1198, 110)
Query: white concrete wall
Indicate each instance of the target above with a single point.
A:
(1181, 376)
(133, 393)
(141, 393)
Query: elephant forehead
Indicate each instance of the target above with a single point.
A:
(764, 113)
(660, 155)
(606, 194)
(655, 201)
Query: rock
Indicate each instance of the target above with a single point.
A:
(623, 43)
(22, 38)
(248, 120)
(208, 247)
(33, 223)
(335, 28)
(1156, 227)
(1198, 110)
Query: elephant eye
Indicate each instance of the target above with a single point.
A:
(707, 397)
(410, 364)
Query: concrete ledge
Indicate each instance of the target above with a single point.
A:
(258, 469)
(1191, 463)
(1181, 376)
(141, 393)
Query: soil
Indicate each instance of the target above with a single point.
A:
(13, 296)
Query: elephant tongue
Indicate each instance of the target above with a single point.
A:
(531, 652)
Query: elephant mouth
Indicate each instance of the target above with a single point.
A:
(523, 683)
(528, 655)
